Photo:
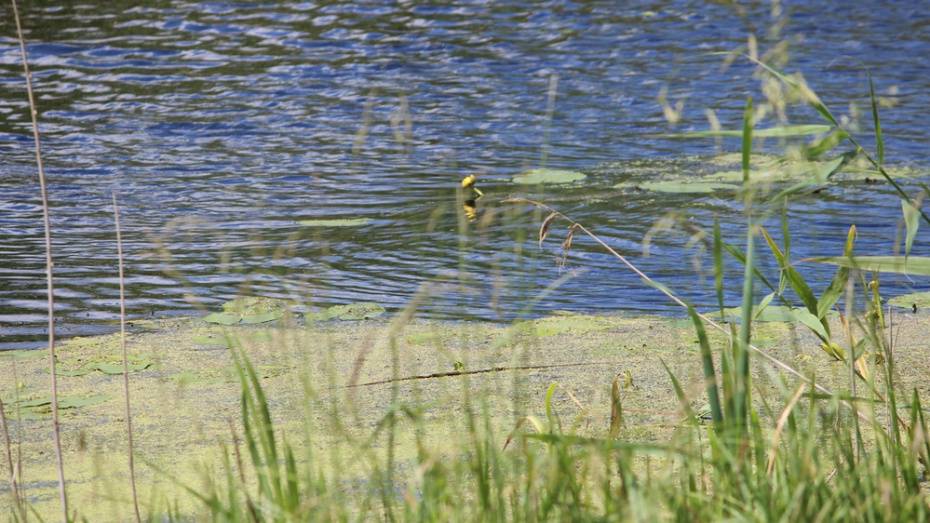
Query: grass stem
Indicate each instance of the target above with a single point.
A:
(48, 265)
(122, 343)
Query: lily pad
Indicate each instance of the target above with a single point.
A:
(74, 373)
(249, 310)
(771, 313)
(136, 364)
(786, 131)
(351, 312)
(262, 318)
(23, 354)
(255, 305)
(909, 301)
(211, 341)
(221, 318)
(40, 408)
(117, 368)
(680, 187)
(335, 222)
(548, 176)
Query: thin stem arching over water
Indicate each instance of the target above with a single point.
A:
(664, 290)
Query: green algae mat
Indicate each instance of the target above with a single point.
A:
(186, 391)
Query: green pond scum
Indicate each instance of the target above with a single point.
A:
(328, 389)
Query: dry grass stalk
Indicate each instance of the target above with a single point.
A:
(14, 486)
(122, 342)
(48, 264)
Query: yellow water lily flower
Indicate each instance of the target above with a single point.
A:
(469, 182)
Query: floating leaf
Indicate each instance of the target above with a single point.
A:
(75, 402)
(915, 265)
(680, 187)
(820, 175)
(350, 312)
(39, 408)
(771, 132)
(911, 301)
(27, 354)
(74, 373)
(262, 318)
(211, 340)
(255, 305)
(335, 222)
(249, 310)
(117, 368)
(548, 176)
(221, 318)
(774, 313)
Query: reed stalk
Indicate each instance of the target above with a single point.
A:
(14, 486)
(48, 265)
(122, 343)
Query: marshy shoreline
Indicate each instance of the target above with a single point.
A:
(186, 392)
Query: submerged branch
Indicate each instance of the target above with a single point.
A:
(453, 373)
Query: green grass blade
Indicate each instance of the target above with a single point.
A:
(879, 140)
(745, 334)
(913, 265)
(740, 257)
(797, 282)
(680, 393)
(911, 224)
(747, 140)
(707, 360)
(718, 265)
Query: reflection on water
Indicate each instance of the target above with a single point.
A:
(222, 124)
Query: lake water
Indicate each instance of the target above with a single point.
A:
(221, 124)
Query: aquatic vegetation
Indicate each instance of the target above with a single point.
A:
(680, 187)
(784, 131)
(548, 177)
(915, 301)
(913, 265)
(249, 311)
(135, 364)
(334, 222)
(770, 313)
(41, 408)
(349, 312)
